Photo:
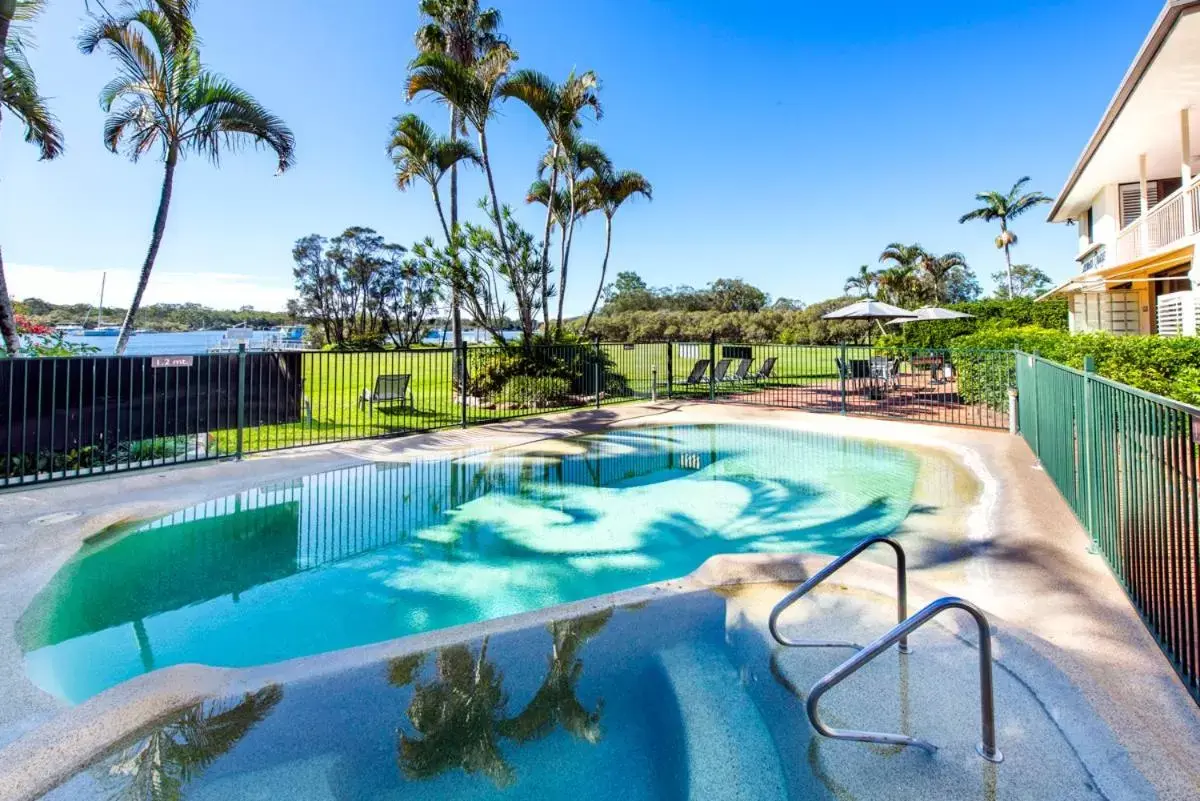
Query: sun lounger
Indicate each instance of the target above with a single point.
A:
(739, 373)
(765, 369)
(697, 374)
(390, 390)
(722, 369)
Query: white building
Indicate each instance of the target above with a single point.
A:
(1134, 197)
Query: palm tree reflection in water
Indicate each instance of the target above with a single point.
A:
(460, 716)
(157, 767)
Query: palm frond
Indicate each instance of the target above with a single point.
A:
(225, 116)
(19, 95)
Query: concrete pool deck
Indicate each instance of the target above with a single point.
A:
(1015, 550)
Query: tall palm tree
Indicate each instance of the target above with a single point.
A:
(463, 31)
(1005, 207)
(901, 255)
(863, 282)
(579, 159)
(939, 268)
(163, 96)
(19, 95)
(606, 192)
(898, 285)
(559, 107)
(157, 767)
(420, 154)
(473, 91)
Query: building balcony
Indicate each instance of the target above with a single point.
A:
(1167, 225)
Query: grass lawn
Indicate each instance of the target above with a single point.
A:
(333, 383)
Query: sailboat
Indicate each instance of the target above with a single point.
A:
(101, 330)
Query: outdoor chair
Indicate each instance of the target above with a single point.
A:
(721, 369)
(390, 390)
(697, 374)
(740, 372)
(886, 371)
(765, 369)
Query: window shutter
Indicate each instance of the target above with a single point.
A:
(1131, 204)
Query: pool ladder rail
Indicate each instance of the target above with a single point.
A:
(898, 635)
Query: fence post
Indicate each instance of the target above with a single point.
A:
(842, 376)
(670, 369)
(597, 368)
(461, 355)
(1085, 470)
(712, 367)
(1037, 406)
(654, 383)
(241, 399)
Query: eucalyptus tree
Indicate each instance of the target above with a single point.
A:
(1004, 207)
(19, 95)
(938, 269)
(164, 99)
(864, 282)
(473, 91)
(464, 32)
(560, 108)
(606, 192)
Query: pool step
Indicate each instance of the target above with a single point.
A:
(730, 753)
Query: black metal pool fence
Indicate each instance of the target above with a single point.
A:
(64, 418)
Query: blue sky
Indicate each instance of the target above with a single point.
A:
(788, 142)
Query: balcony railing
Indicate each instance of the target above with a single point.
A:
(1164, 225)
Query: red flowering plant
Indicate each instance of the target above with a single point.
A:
(27, 326)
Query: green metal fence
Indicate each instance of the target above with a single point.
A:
(1127, 463)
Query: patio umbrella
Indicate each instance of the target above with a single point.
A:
(932, 313)
(870, 310)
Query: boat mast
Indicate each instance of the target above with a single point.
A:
(100, 311)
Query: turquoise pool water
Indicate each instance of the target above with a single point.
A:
(675, 700)
(376, 552)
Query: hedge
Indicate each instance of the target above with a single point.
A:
(1167, 366)
(1018, 313)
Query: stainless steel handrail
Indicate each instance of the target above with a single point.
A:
(986, 748)
(829, 570)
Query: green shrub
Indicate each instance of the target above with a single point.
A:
(1167, 366)
(535, 391)
(988, 315)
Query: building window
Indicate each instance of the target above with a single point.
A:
(1156, 192)
(1089, 226)
(1114, 312)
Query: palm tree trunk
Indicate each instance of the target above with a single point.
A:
(160, 226)
(603, 272)
(562, 272)
(8, 320)
(455, 290)
(546, 240)
(526, 314)
(1007, 259)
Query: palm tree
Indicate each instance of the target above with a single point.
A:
(901, 255)
(1005, 207)
(863, 282)
(157, 767)
(606, 192)
(472, 90)
(939, 268)
(163, 96)
(559, 107)
(19, 95)
(463, 31)
(420, 154)
(578, 160)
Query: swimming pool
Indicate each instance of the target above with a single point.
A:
(383, 550)
(671, 699)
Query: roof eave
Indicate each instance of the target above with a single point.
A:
(1167, 19)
